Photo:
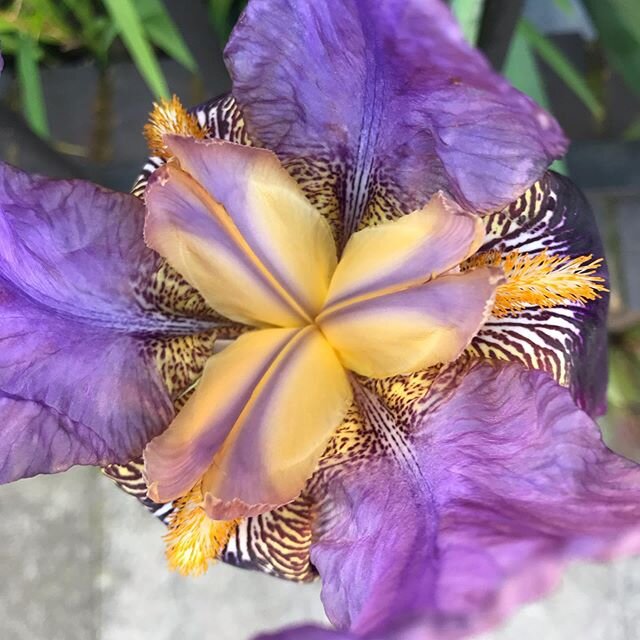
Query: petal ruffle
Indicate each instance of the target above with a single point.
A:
(374, 106)
(257, 424)
(569, 341)
(501, 487)
(401, 331)
(235, 210)
(78, 374)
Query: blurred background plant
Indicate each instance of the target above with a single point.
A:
(578, 58)
(42, 32)
(35, 33)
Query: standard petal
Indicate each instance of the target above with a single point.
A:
(568, 341)
(376, 105)
(176, 460)
(474, 513)
(77, 327)
(240, 230)
(406, 330)
(257, 424)
(406, 252)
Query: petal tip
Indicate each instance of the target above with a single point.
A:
(153, 492)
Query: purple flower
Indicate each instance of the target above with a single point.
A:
(454, 489)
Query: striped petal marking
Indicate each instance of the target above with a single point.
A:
(568, 340)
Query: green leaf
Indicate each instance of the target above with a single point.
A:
(51, 12)
(220, 11)
(81, 9)
(33, 25)
(10, 43)
(632, 132)
(629, 12)
(132, 32)
(31, 86)
(163, 32)
(469, 14)
(522, 71)
(624, 377)
(563, 67)
(566, 6)
(91, 26)
(617, 35)
(105, 34)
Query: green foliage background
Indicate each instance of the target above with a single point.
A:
(36, 32)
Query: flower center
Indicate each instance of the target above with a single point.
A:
(405, 295)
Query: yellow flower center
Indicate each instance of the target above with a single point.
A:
(405, 295)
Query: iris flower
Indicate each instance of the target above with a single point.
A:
(352, 327)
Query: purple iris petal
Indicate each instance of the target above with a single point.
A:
(78, 381)
(380, 103)
(504, 484)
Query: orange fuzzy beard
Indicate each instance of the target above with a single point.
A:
(193, 539)
(169, 116)
(541, 280)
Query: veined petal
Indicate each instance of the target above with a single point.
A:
(78, 324)
(276, 542)
(497, 490)
(257, 424)
(374, 105)
(234, 212)
(406, 330)
(407, 251)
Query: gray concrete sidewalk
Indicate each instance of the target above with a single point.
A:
(79, 560)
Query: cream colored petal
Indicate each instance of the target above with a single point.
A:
(414, 328)
(237, 226)
(257, 424)
(407, 251)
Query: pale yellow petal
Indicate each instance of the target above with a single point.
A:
(237, 226)
(407, 251)
(414, 328)
(258, 421)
